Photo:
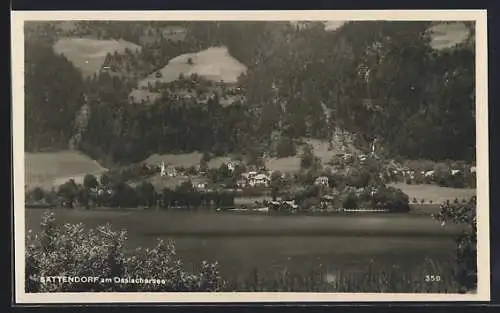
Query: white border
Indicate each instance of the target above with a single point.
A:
(17, 20)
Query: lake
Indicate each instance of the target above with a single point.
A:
(243, 242)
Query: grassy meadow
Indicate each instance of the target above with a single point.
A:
(447, 35)
(435, 193)
(181, 159)
(49, 169)
(213, 64)
(321, 149)
(88, 54)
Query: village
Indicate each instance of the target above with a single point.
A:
(348, 183)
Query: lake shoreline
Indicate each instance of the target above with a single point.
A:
(179, 223)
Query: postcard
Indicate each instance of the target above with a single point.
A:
(250, 156)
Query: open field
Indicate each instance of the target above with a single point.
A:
(48, 169)
(435, 193)
(320, 149)
(333, 25)
(181, 159)
(295, 243)
(284, 165)
(214, 64)
(218, 161)
(447, 35)
(88, 55)
(443, 35)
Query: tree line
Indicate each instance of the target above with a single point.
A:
(113, 192)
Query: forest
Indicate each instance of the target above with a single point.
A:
(376, 79)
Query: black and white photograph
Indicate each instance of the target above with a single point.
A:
(253, 156)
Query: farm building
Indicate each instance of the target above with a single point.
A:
(321, 181)
(259, 180)
(200, 184)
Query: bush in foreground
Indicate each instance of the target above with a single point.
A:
(72, 250)
(466, 251)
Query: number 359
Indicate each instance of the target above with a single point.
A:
(432, 278)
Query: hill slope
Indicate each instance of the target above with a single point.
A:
(408, 84)
(48, 169)
(214, 64)
(448, 35)
(88, 54)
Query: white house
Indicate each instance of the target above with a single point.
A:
(429, 173)
(200, 185)
(321, 181)
(363, 157)
(248, 175)
(259, 180)
(455, 172)
(290, 203)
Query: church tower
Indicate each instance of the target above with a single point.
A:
(162, 169)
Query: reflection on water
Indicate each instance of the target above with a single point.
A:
(242, 255)
(272, 244)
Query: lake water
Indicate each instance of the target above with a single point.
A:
(241, 243)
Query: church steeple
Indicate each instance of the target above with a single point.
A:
(162, 169)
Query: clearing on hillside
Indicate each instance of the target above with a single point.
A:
(447, 35)
(182, 159)
(284, 165)
(50, 169)
(214, 64)
(341, 143)
(333, 25)
(89, 54)
(323, 150)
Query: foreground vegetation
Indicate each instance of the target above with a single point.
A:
(72, 250)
